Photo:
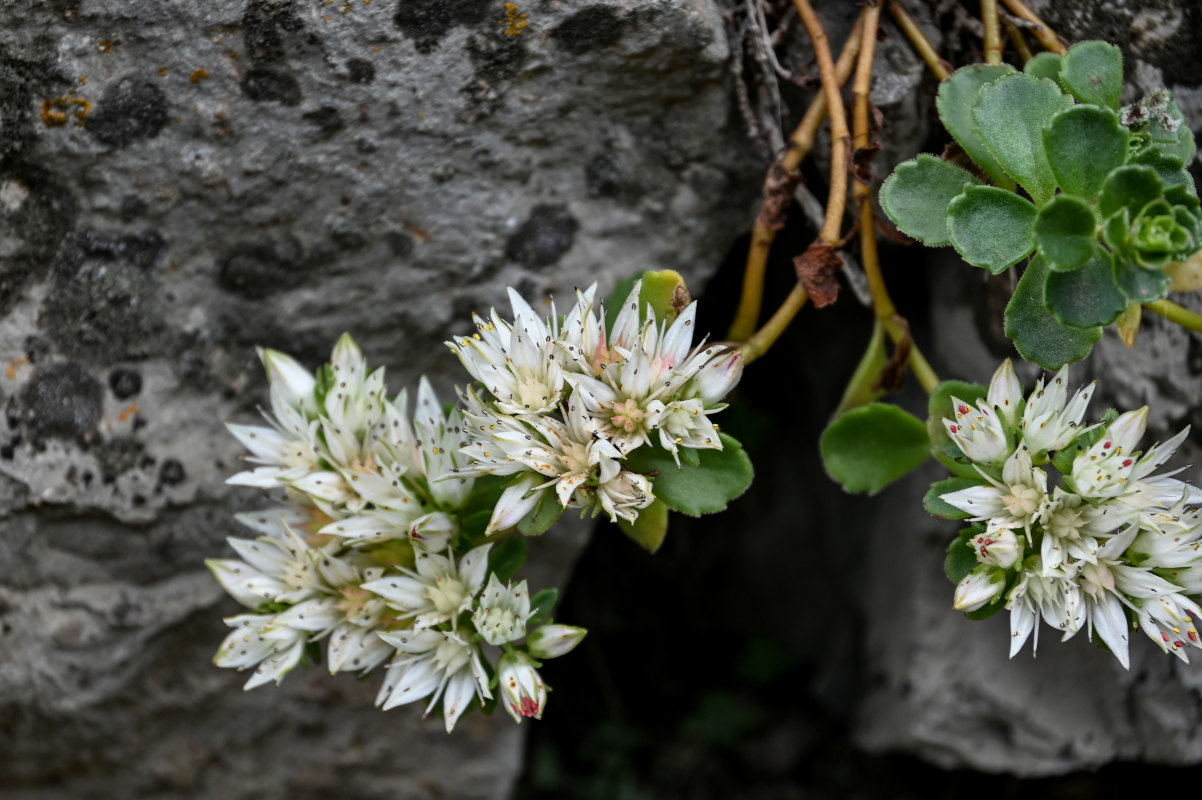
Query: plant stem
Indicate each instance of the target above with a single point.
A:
(939, 68)
(993, 32)
(1016, 38)
(1175, 313)
(764, 338)
(751, 302)
(1041, 31)
(837, 200)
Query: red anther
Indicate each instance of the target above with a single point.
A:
(1164, 636)
(1106, 446)
(952, 428)
(529, 707)
(1193, 635)
(1178, 643)
(1126, 462)
(963, 409)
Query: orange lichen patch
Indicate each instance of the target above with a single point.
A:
(56, 110)
(346, 7)
(11, 372)
(515, 21)
(106, 46)
(162, 72)
(83, 79)
(199, 75)
(129, 411)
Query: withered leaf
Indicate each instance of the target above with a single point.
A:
(817, 270)
(778, 195)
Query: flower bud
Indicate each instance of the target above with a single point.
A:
(552, 641)
(1002, 548)
(979, 587)
(522, 689)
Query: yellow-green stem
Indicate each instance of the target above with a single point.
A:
(938, 67)
(1016, 39)
(764, 338)
(1040, 30)
(1175, 313)
(993, 32)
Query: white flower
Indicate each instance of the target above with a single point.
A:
(553, 641)
(502, 612)
(1048, 423)
(516, 362)
(522, 689)
(977, 588)
(259, 641)
(1005, 394)
(716, 378)
(978, 433)
(1070, 530)
(438, 591)
(1056, 599)
(435, 664)
(1002, 548)
(284, 570)
(1014, 502)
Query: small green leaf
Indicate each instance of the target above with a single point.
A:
(649, 528)
(991, 227)
(961, 558)
(1132, 187)
(1044, 65)
(664, 290)
(544, 514)
(507, 557)
(1083, 144)
(1139, 284)
(1009, 116)
(868, 448)
(1093, 72)
(1036, 332)
(917, 194)
(936, 507)
(1168, 168)
(1087, 296)
(1066, 232)
(954, 102)
(541, 604)
(722, 476)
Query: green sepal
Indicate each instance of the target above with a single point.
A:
(991, 227)
(546, 512)
(1044, 65)
(507, 556)
(989, 609)
(1087, 296)
(939, 405)
(722, 476)
(1066, 232)
(1064, 457)
(917, 194)
(961, 558)
(689, 456)
(954, 102)
(1093, 72)
(1009, 115)
(1083, 144)
(868, 448)
(1037, 334)
(649, 528)
(541, 606)
(1131, 187)
(937, 508)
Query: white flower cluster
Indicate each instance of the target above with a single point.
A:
(370, 553)
(564, 404)
(1102, 543)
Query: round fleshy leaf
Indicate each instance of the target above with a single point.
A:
(991, 227)
(1093, 72)
(1087, 296)
(1066, 232)
(1009, 116)
(1083, 144)
(917, 194)
(1132, 187)
(649, 528)
(932, 501)
(721, 476)
(1035, 331)
(1044, 65)
(1140, 284)
(1168, 168)
(954, 103)
(868, 448)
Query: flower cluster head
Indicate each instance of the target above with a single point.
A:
(1070, 523)
(563, 404)
(372, 554)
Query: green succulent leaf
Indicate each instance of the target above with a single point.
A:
(868, 448)
(961, 559)
(917, 194)
(541, 605)
(1009, 116)
(1044, 65)
(1066, 232)
(546, 512)
(1140, 284)
(507, 557)
(721, 476)
(1087, 296)
(991, 227)
(1159, 120)
(1035, 331)
(1093, 72)
(649, 528)
(1131, 187)
(1083, 144)
(936, 507)
(954, 103)
(1168, 168)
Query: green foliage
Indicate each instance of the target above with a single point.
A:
(507, 557)
(541, 605)
(1093, 72)
(991, 227)
(868, 448)
(721, 476)
(961, 559)
(862, 389)
(1083, 144)
(1086, 296)
(649, 528)
(954, 104)
(544, 514)
(936, 507)
(1035, 331)
(917, 194)
(1066, 232)
(1044, 65)
(1009, 115)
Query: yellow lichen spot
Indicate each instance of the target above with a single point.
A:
(56, 111)
(83, 79)
(19, 361)
(199, 75)
(162, 72)
(128, 412)
(326, 18)
(106, 46)
(515, 21)
(346, 7)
